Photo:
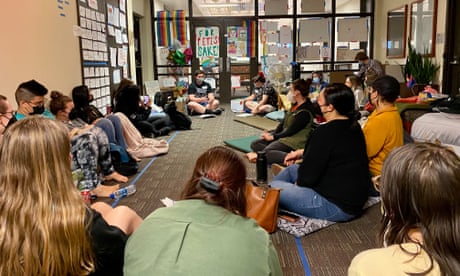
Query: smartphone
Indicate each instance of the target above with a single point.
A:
(146, 99)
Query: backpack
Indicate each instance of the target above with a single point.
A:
(447, 105)
(122, 162)
(179, 119)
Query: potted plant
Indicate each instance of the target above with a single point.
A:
(419, 67)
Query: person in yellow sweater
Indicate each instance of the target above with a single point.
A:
(420, 188)
(383, 130)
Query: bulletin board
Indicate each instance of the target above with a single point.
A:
(103, 47)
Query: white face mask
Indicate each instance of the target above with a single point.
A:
(290, 97)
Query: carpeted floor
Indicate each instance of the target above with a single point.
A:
(326, 252)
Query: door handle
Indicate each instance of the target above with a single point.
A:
(221, 65)
(228, 65)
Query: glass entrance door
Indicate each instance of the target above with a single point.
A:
(225, 51)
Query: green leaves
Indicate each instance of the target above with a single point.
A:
(421, 67)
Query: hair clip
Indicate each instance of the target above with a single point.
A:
(209, 185)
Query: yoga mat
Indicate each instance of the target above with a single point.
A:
(243, 144)
(258, 122)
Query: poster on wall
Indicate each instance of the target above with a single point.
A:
(207, 42)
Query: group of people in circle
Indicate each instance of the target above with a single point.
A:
(52, 231)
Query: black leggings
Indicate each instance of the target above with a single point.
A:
(275, 150)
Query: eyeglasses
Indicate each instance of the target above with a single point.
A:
(37, 104)
(376, 181)
(12, 113)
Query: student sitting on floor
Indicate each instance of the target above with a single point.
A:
(420, 189)
(332, 182)
(7, 117)
(83, 109)
(90, 148)
(47, 229)
(30, 97)
(207, 232)
(139, 113)
(292, 133)
(264, 99)
(201, 97)
(383, 129)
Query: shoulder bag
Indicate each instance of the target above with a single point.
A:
(262, 205)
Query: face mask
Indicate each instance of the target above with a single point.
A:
(316, 80)
(39, 109)
(290, 97)
(11, 121)
(91, 98)
(199, 80)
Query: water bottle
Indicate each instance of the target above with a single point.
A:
(123, 192)
(261, 167)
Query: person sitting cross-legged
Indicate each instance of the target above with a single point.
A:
(264, 99)
(201, 97)
(333, 179)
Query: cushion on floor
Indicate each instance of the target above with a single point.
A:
(242, 144)
(304, 226)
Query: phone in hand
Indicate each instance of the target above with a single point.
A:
(146, 99)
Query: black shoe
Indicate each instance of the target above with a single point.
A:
(217, 111)
(164, 131)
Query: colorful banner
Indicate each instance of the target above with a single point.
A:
(163, 29)
(179, 26)
(251, 38)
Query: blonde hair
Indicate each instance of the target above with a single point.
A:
(43, 218)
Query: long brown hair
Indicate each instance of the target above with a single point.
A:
(420, 189)
(42, 214)
(224, 166)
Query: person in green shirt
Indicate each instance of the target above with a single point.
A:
(206, 232)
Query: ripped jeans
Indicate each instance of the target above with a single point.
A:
(305, 201)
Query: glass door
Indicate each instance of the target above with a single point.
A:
(225, 51)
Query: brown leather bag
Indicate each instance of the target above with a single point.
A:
(262, 205)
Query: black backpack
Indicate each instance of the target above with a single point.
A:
(122, 162)
(447, 105)
(180, 120)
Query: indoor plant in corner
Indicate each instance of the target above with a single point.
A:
(421, 68)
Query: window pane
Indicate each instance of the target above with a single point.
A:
(314, 6)
(353, 6)
(275, 7)
(223, 7)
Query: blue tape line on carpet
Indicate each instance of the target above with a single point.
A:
(143, 170)
(303, 258)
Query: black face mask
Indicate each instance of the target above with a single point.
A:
(11, 121)
(91, 98)
(39, 109)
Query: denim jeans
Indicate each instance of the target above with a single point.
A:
(118, 127)
(305, 201)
